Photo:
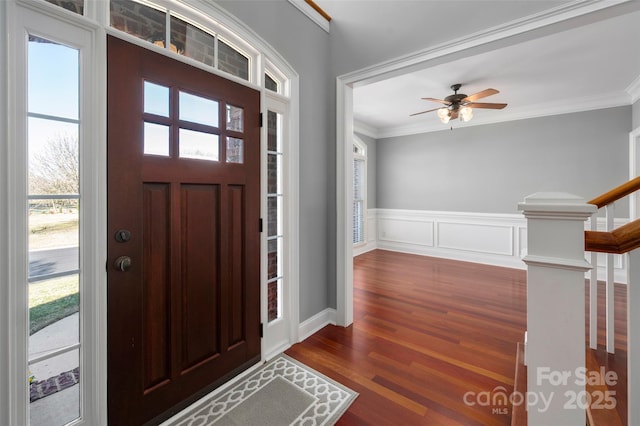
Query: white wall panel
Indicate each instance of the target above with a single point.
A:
(409, 231)
(493, 239)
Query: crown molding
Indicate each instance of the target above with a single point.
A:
(365, 129)
(534, 111)
(419, 59)
(311, 13)
(634, 90)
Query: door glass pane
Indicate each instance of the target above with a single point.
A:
(53, 303)
(274, 301)
(275, 220)
(272, 173)
(270, 83)
(197, 109)
(272, 131)
(272, 215)
(54, 282)
(139, 20)
(235, 118)
(232, 61)
(76, 6)
(54, 390)
(192, 42)
(53, 156)
(156, 139)
(53, 79)
(156, 99)
(199, 145)
(53, 237)
(235, 150)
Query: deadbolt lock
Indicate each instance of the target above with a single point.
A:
(123, 235)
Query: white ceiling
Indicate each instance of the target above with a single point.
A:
(593, 65)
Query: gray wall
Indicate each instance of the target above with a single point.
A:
(636, 115)
(305, 46)
(4, 287)
(371, 169)
(318, 58)
(490, 168)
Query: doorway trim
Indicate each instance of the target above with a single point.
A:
(527, 28)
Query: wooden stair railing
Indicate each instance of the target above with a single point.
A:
(619, 241)
(623, 239)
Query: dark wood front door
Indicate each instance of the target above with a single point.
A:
(183, 222)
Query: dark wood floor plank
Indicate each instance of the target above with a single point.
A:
(426, 333)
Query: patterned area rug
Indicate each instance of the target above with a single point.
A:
(282, 392)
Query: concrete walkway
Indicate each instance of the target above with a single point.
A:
(61, 407)
(61, 333)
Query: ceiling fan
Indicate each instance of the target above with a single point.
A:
(461, 105)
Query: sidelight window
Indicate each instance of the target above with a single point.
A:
(275, 237)
(53, 208)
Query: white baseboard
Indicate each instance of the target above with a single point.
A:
(363, 248)
(316, 322)
(268, 356)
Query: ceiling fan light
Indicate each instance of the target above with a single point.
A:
(442, 113)
(466, 113)
(445, 119)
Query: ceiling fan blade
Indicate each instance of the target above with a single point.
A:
(483, 94)
(422, 112)
(486, 105)
(442, 101)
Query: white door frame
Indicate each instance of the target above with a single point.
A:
(26, 17)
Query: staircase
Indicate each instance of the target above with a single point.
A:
(600, 412)
(608, 400)
(557, 365)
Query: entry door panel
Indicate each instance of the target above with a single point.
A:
(185, 315)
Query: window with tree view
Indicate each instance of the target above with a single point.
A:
(53, 222)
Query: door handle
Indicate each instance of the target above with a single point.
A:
(123, 263)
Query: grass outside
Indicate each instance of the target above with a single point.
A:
(53, 230)
(52, 300)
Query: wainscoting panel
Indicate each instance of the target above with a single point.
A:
(492, 239)
(489, 238)
(408, 231)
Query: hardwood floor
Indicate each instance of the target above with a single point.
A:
(427, 334)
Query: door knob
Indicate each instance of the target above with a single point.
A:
(123, 263)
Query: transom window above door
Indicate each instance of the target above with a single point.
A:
(166, 28)
(174, 26)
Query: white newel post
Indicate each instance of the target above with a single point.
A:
(555, 307)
